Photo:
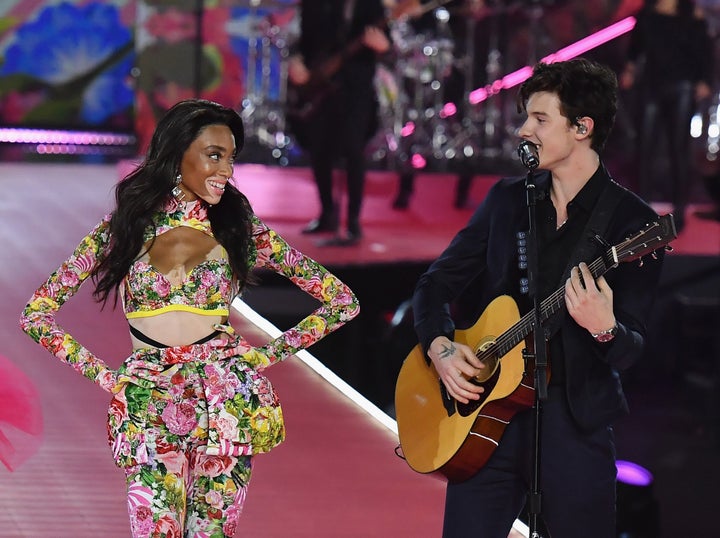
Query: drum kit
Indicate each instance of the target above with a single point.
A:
(422, 123)
(416, 122)
(272, 26)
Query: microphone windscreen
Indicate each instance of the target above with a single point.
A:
(528, 153)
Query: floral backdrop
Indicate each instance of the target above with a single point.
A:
(66, 65)
(120, 64)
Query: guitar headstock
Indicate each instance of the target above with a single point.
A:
(652, 237)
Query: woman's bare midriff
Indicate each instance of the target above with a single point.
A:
(175, 328)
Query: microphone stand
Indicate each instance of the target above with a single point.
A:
(198, 51)
(538, 355)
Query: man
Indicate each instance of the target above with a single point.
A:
(670, 60)
(343, 113)
(570, 109)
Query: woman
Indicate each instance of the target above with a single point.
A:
(190, 404)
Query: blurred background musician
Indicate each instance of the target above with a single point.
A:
(670, 63)
(334, 67)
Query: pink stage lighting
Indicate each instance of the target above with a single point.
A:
(407, 129)
(448, 110)
(571, 51)
(54, 136)
(418, 161)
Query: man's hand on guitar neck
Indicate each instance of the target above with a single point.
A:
(298, 72)
(590, 306)
(404, 9)
(455, 364)
(375, 39)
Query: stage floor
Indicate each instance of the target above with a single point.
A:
(286, 199)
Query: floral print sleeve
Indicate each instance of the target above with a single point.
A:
(38, 317)
(339, 304)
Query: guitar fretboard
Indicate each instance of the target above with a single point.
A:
(653, 236)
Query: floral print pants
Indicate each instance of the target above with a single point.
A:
(188, 494)
(183, 492)
(184, 424)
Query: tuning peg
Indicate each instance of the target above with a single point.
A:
(524, 286)
(641, 262)
(668, 248)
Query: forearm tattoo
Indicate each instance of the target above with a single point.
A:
(447, 350)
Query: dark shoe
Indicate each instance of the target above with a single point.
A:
(352, 238)
(320, 225)
(462, 190)
(402, 201)
(348, 240)
(354, 231)
(462, 203)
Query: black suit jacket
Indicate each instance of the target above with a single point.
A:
(481, 263)
(346, 104)
(324, 32)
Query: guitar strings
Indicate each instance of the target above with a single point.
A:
(515, 334)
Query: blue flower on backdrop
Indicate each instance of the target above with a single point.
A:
(81, 56)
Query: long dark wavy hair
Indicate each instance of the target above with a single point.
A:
(146, 190)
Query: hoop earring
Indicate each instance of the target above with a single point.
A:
(177, 192)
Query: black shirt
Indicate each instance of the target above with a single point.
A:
(555, 245)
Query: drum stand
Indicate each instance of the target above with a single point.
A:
(264, 118)
(419, 128)
(483, 133)
(466, 142)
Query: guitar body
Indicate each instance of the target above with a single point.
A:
(297, 113)
(304, 100)
(440, 434)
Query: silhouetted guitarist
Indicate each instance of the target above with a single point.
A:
(342, 102)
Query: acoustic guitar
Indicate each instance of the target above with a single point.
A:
(438, 433)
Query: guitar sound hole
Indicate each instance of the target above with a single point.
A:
(491, 365)
(488, 384)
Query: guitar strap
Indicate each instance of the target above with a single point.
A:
(587, 249)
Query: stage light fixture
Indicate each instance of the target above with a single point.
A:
(571, 51)
(637, 508)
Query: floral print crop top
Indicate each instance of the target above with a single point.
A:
(206, 289)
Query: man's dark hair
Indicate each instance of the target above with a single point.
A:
(585, 89)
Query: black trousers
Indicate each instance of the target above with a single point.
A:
(340, 130)
(666, 117)
(577, 476)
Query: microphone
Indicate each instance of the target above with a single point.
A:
(527, 151)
